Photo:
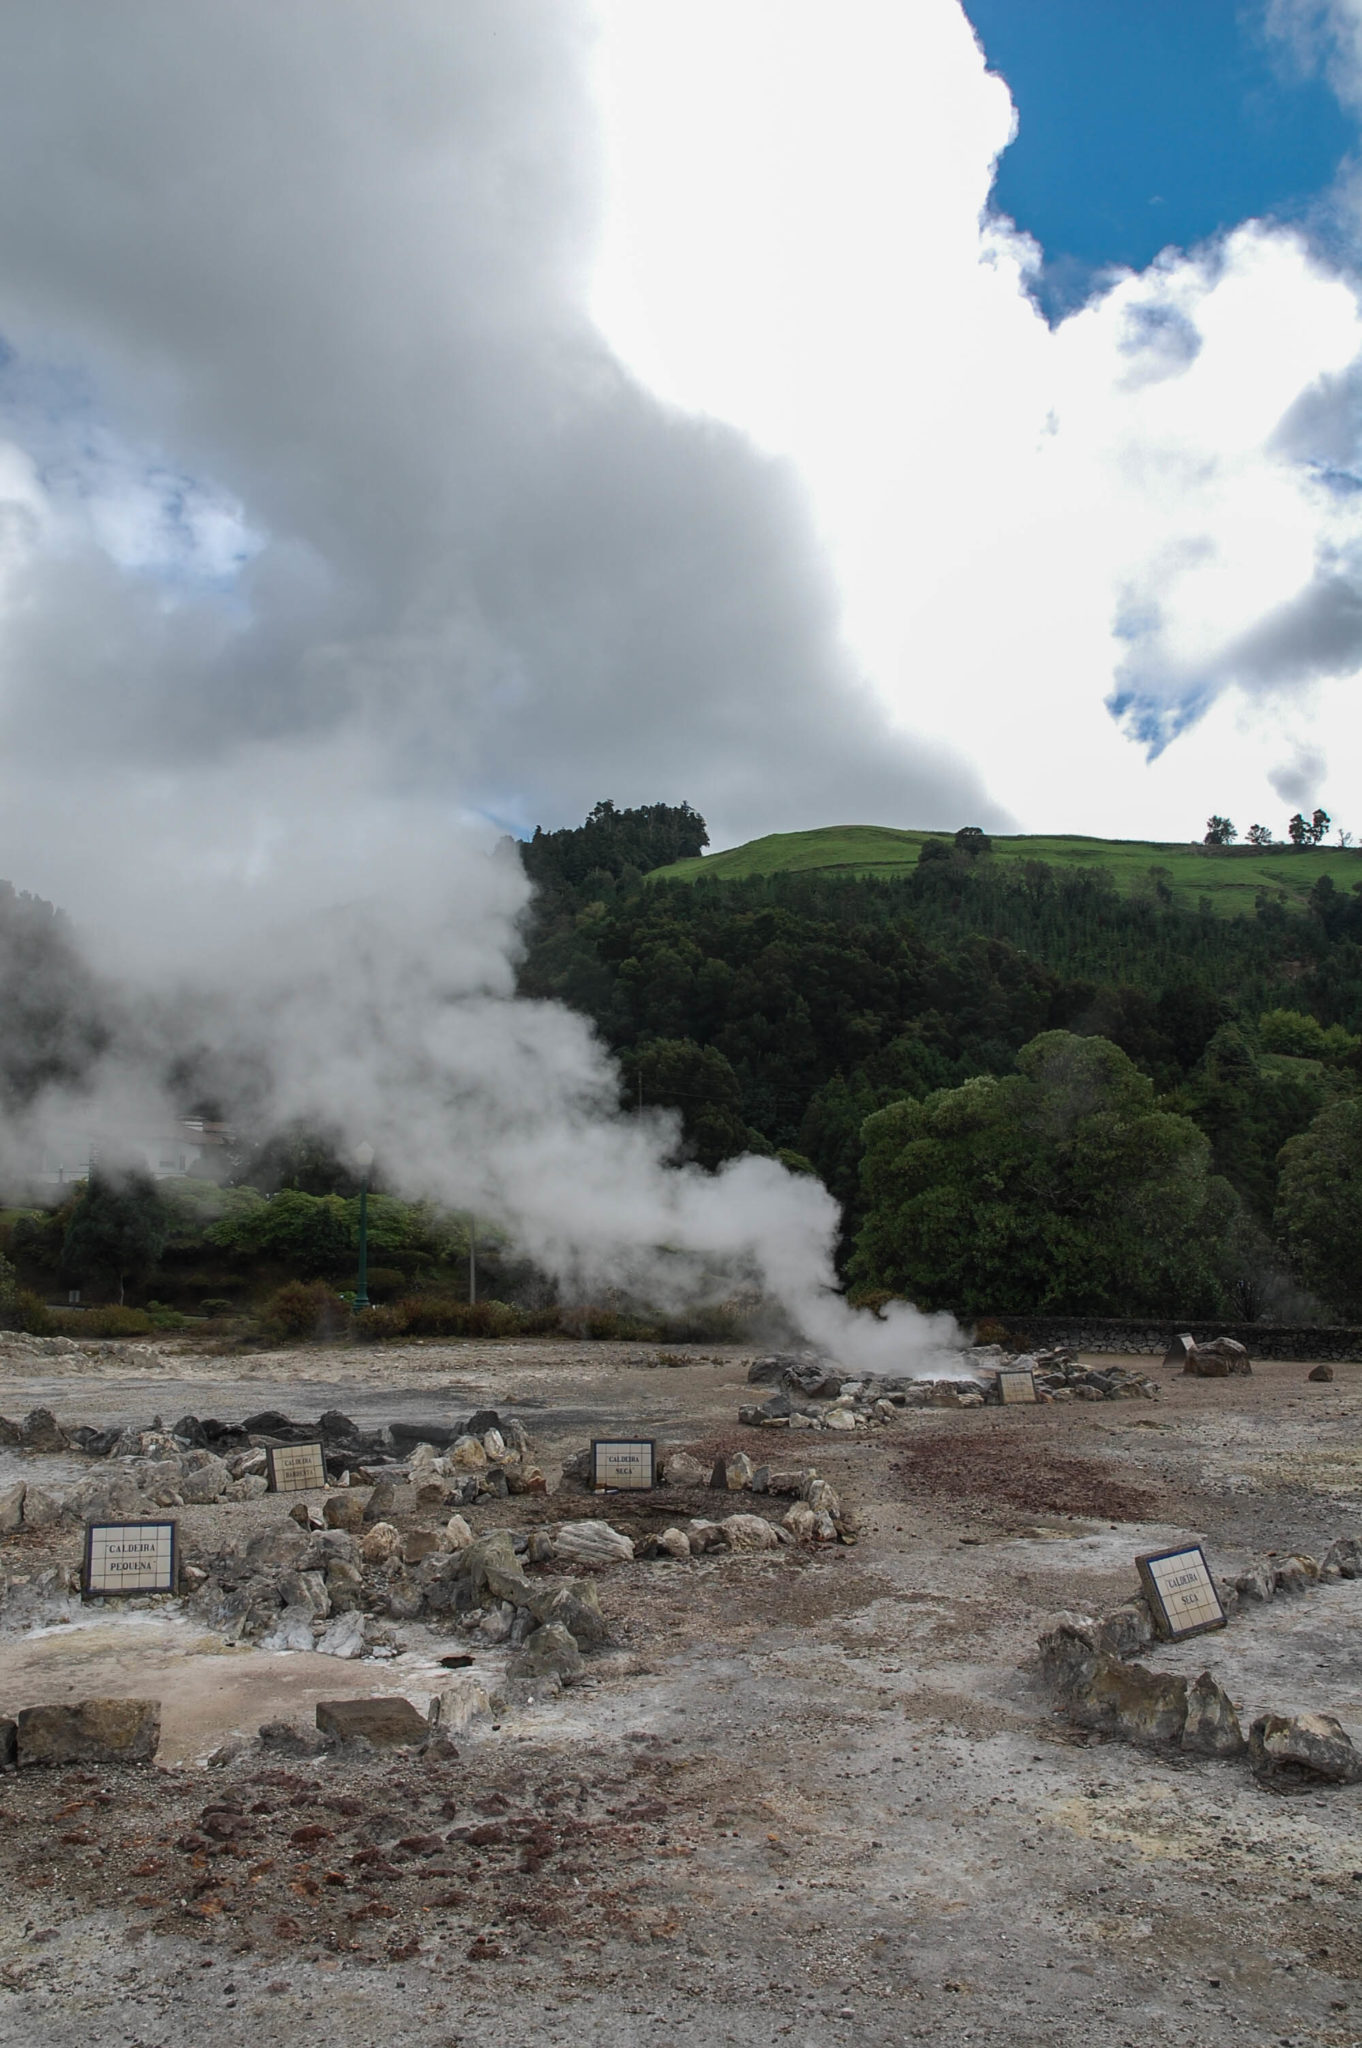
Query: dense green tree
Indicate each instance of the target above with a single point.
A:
(676, 1073)
(303, 1158)
(310, 1234)
(614, 843)
(1249, 1103)
(1060, 1186)
(1319, 1204)
(117, 1230)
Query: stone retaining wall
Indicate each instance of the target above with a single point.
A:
(1119, 1333)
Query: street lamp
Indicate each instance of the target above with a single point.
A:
(364, 1154)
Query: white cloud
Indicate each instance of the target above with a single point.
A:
(1138, 507)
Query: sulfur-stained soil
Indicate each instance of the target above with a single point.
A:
(805, 1796)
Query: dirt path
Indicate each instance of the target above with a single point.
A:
(812, 1798)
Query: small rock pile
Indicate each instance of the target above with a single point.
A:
(859, 1405)
(1059, 1376)
(194, 1463)
(333, 1591)
(818, 1515)
(1087, 1663)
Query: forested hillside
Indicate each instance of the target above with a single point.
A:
(780, 1011)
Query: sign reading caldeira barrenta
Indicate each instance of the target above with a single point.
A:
(295, 1468)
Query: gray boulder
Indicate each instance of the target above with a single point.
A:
(42, 1508)
(205, 1480)
(491, 1566)
(281, 1543)
(1344, 1555)
(1297, 1752)
(550, 1652)
(1127, 1630)
(39, 1431)
(1259, 1582)
(577, 1605)
(1212, 1725)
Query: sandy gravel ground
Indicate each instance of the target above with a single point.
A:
(805, 1799)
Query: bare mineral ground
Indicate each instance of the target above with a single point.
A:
(809, 1797)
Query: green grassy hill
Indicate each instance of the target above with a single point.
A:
(1230, 876)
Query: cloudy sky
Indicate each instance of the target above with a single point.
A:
(467, 409)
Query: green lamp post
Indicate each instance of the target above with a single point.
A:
(364, 1155)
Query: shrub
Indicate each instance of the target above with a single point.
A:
(301, 1309)
(383, 1282)
(33, 1313)
(164, 1317)
(113, 1320)
(372, 1325)
(216, 1305)
(991, 1331)
(716, 1322)
(609, 1325)
(430, 1315)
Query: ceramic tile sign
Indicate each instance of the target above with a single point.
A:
(1016, 1386)
(625, 1462)
(1181, 1592)
(129, 1557)
(294, 1468)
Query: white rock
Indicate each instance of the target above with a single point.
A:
(497, 1622)
(592, 1543)
(456, 1534)
(675, 1542)
(345, 1636)
(494, 1443)
(800, 1521)
(749, 1532)
(824, 1528)
(461, 1703)
(12, 1505)
(292, 1631)
(704, 1535)
(681, 1469)
(468, 1455)
(820, 1493)
(381, 1543)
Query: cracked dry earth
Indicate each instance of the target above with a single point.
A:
(819, 1797)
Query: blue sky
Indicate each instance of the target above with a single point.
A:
(1149, 122)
